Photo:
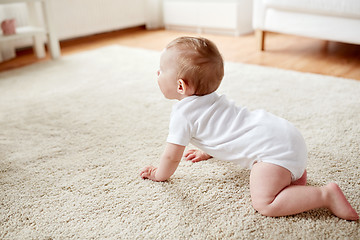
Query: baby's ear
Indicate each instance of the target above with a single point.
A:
(183, 88)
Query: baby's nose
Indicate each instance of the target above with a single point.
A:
(158, 72)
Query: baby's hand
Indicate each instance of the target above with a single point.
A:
(195, 155)
(148, 173)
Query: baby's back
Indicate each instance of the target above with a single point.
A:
(235, 134)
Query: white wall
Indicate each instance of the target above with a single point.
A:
(74, 18)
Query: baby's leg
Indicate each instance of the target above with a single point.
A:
(273, 195)
(302, 180)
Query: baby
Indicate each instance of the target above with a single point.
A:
(191, 69)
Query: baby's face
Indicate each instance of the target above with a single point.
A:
(167, 74)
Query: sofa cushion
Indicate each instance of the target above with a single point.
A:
(341, 8)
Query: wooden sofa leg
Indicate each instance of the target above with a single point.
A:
(260, 35)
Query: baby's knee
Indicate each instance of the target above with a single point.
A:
(264, 208)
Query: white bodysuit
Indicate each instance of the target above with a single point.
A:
(235, 134)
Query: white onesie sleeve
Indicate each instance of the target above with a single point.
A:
(179, 129)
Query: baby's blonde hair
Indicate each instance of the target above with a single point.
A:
(200, 63)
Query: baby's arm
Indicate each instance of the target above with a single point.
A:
(169, 161)
(195, 155)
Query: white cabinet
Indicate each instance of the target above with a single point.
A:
(213, 16)
(35, 30)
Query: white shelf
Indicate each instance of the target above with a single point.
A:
(34, 31)
(21, 32)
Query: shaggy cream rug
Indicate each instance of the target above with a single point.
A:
(74, 134)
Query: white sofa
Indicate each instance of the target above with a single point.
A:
(333, 20)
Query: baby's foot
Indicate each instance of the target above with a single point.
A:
(302, 180)
(338, 204)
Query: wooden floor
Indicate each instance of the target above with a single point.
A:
(282, 51)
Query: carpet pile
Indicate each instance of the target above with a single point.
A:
(74, 134)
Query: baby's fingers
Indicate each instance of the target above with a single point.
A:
(145, 172)
(190, 157)
(196, 159)
(189, 152)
